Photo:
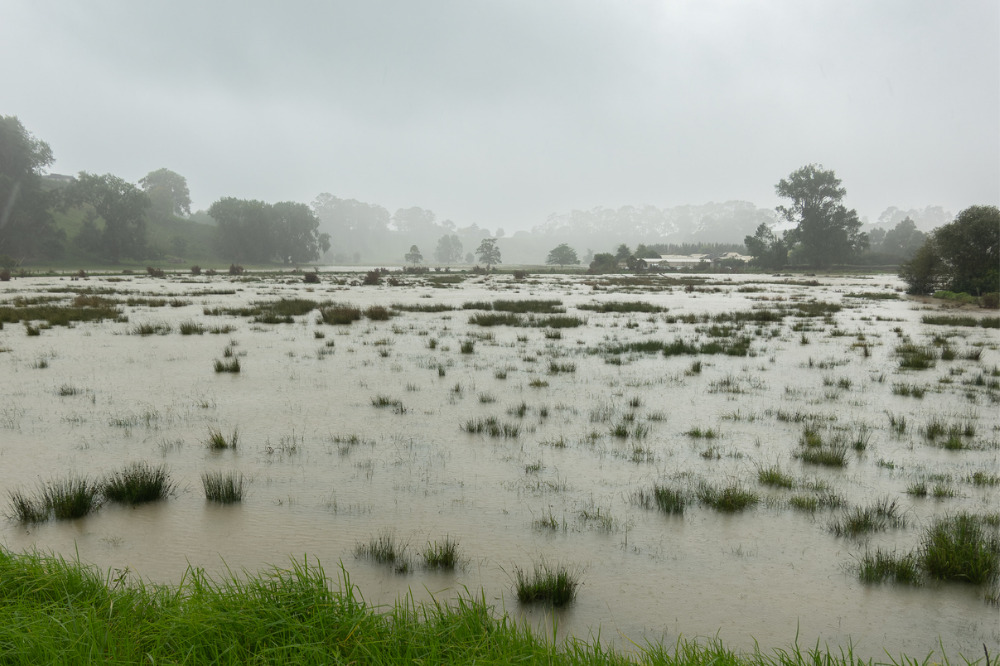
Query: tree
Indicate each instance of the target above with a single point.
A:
(413, 256)
(27, 227)
(603, 262)
(562, 255)
(488, 252)
(168, 192)
(825, 232)
(255, 231)
(768, 251)
(296, 233)
(962, 256)
(449, 249)
(120, 206)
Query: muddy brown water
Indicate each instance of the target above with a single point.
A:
(328, 470)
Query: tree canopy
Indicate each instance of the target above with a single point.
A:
(825, 232)
(562, 255)
(449, 249)
(414, 256)
(488, 252)
(768, 251)
(115, 226)
(255, 231)
(27, 228)
(167, 191)
(962, 256)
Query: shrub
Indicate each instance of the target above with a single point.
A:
(311, 278)
(236, 269)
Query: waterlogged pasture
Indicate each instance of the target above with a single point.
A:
(757, 458)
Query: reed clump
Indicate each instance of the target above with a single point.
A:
(555, 585)
(137, 483)
(224, 487)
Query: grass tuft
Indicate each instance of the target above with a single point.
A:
(223, 487)
(136, 484)
(552, 585)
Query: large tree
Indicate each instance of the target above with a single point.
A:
(962, 256)
(488, 252)
(260, 232)
(27, 228)
(414, 256)
(562, 255)
(449, 249)
(115, 226)
(168, 192)
(768, 251)
(825, 232)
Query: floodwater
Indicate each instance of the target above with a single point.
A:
(329, 470)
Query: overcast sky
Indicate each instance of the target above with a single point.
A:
(500, 112)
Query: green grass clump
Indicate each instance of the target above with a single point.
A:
(340, 315)
(961, 548)
(231, 364)
(491, 426)
(150, 328)
(27, 509)
(136, 484)
(981, 478)
(533, 306)
(949, 320)
(669, 500)
(72, 497)
(385, 402)
(191, 328)
(496, 319)
(217, 441)
(468, 347)
(378, 313)
(883, 566)
(878, 516)
(731, 499)
(552, 585)
(441, 554)
(557, 322)
(385, 549)
(912, 357)
(557, 367)
(621, 306)
(774, 477)
(223, 487)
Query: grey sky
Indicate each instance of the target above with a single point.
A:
(501, 112)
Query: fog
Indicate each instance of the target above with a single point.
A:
(503, 113)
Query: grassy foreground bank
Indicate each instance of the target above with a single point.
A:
(54, 611)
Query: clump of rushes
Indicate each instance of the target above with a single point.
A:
(385, 549)
(731, 499)
(231, 364)
(73, 497)
(961, 548)
(28, 509)
(217, 441)
(384, 402)
(876, 517)
(552, 585)
(136, 484)
(441, 554)
(191, 328)
(492, 427)
(774, 477)
(340, 315)
(223, 487)
(668, 500)
(885, 566)
(556, 368)
(468, 346)
(378, 313)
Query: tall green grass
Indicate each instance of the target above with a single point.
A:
(54, 611)
(136, 484)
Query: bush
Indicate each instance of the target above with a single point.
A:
(236, 269)
(311, 278)
(963, 256)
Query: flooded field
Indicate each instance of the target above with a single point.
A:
(695, 450)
